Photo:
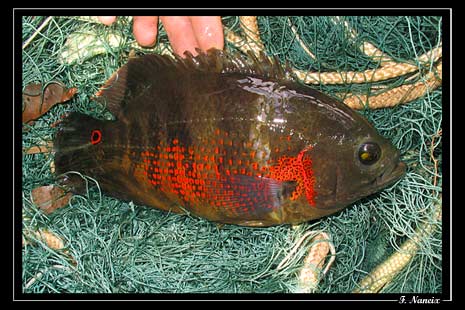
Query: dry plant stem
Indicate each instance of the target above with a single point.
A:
(386, 271)
(435, 161)
(367, 48)
(388, 71)
(389, 68)
(294, 249)
(28, 41)
(398, 95)
(39, 275)
(312, 272)
(297, 37)
(351, 77)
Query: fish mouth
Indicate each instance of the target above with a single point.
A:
(390, 175)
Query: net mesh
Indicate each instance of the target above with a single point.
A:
(111, 246)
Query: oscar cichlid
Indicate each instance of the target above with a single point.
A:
(228, 138)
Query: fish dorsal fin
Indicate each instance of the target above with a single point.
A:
(219, 61)
(132, 78)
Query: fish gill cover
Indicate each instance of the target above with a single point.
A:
(104, 245)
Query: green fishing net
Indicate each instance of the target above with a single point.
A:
(111, 246)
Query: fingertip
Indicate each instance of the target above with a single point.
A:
(181, 35)
(107, 20)
(145, 30)
(208, 31)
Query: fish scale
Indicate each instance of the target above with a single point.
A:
(228, 138)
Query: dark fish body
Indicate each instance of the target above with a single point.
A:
(230, 139)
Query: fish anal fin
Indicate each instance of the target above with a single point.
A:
(246, 198)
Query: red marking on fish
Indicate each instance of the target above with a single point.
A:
(95, 136)
(193, 177)
(297, 169)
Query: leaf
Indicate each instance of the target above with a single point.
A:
(49, 198)
(37, 149)
(49, 238)
(37, 100)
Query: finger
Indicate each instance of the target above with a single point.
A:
(107, 20)
(208, 31)
(145, 30)
(180, 33)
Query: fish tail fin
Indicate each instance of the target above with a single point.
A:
(77, 145)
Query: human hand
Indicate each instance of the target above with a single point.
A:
(184, 32)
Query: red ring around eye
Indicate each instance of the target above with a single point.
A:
(95, 136)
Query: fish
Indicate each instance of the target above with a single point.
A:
(231, 138)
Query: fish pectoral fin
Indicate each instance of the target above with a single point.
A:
(287, 190)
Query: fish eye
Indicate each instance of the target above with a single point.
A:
(369, 153)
